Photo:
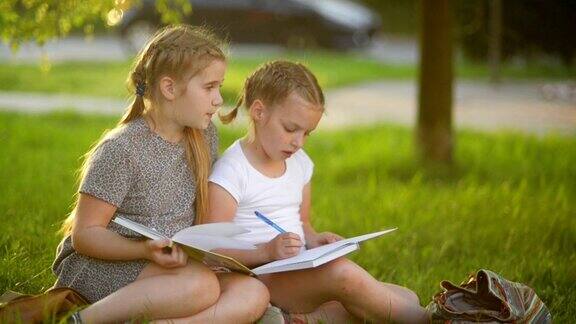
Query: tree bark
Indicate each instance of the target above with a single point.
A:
(434, 128)
(495, 40)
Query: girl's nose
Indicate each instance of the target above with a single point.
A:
(218, 101)
(298, 140)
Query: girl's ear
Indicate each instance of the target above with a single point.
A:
(257, 110)
(168, 88)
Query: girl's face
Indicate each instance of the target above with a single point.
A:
(201, 97)
(282, 130)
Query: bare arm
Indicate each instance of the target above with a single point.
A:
(313, 239)
(92, 217)
(223, 208)
(91, 237)
(309, 232)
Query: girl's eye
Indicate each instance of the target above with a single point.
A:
(289, 130)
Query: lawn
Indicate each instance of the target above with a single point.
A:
(508, 205)
(107, 78)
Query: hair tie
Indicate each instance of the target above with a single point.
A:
(140, 89)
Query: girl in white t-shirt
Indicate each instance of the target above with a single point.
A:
(267, 171)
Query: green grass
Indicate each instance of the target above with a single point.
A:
(107, 79)
(509, 204)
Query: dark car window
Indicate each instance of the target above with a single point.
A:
(298, 23)
(224, 4)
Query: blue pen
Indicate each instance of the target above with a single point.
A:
(269, 222)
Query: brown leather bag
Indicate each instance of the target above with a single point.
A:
(52, 304)
(488, 297)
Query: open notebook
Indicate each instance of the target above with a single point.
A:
(319, 255)
(198, 241)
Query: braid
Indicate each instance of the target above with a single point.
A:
(178, 52)
(273, 82)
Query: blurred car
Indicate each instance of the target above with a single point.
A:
(333, 24)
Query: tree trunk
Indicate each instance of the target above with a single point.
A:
(495, 40)
(434, 129)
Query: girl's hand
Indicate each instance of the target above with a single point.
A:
(323, 238)
(165, 254)
(283, 246)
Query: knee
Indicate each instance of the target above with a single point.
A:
(200, 288)
(412, 297)
(254, 299)
(348, 277)
(403, 293)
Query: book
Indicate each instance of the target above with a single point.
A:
(319, 255)
(198, 241)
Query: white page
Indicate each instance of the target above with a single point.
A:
(303, 257)
(309, 255)
(210, 242)
(139, 228)
(336, 254)
(214, 229)
(323, 249)
(361, 238)
(278, 266)
(205, 242)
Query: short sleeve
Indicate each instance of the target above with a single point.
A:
(211, 135)
(107, 176)
(229, 176)
(306, 164)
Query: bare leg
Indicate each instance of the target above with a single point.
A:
(404, 292)
(342, 280)
(331, 312)
(158, 293)
(242, 300)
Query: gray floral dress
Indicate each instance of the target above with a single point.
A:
(147, 178)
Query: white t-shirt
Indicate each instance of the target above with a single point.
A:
(277, 198)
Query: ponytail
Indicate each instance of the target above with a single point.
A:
(173, 51)
(135, 110)
(137, 85)
(272, 83)
(229, 117)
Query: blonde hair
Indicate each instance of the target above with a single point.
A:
(179, 52)
(272, 83)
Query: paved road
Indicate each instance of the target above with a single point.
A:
(514, 106)
(477, 105)
(518, 107)
(110, 48)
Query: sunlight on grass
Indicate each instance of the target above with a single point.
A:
(508, 204)
(107, 79)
